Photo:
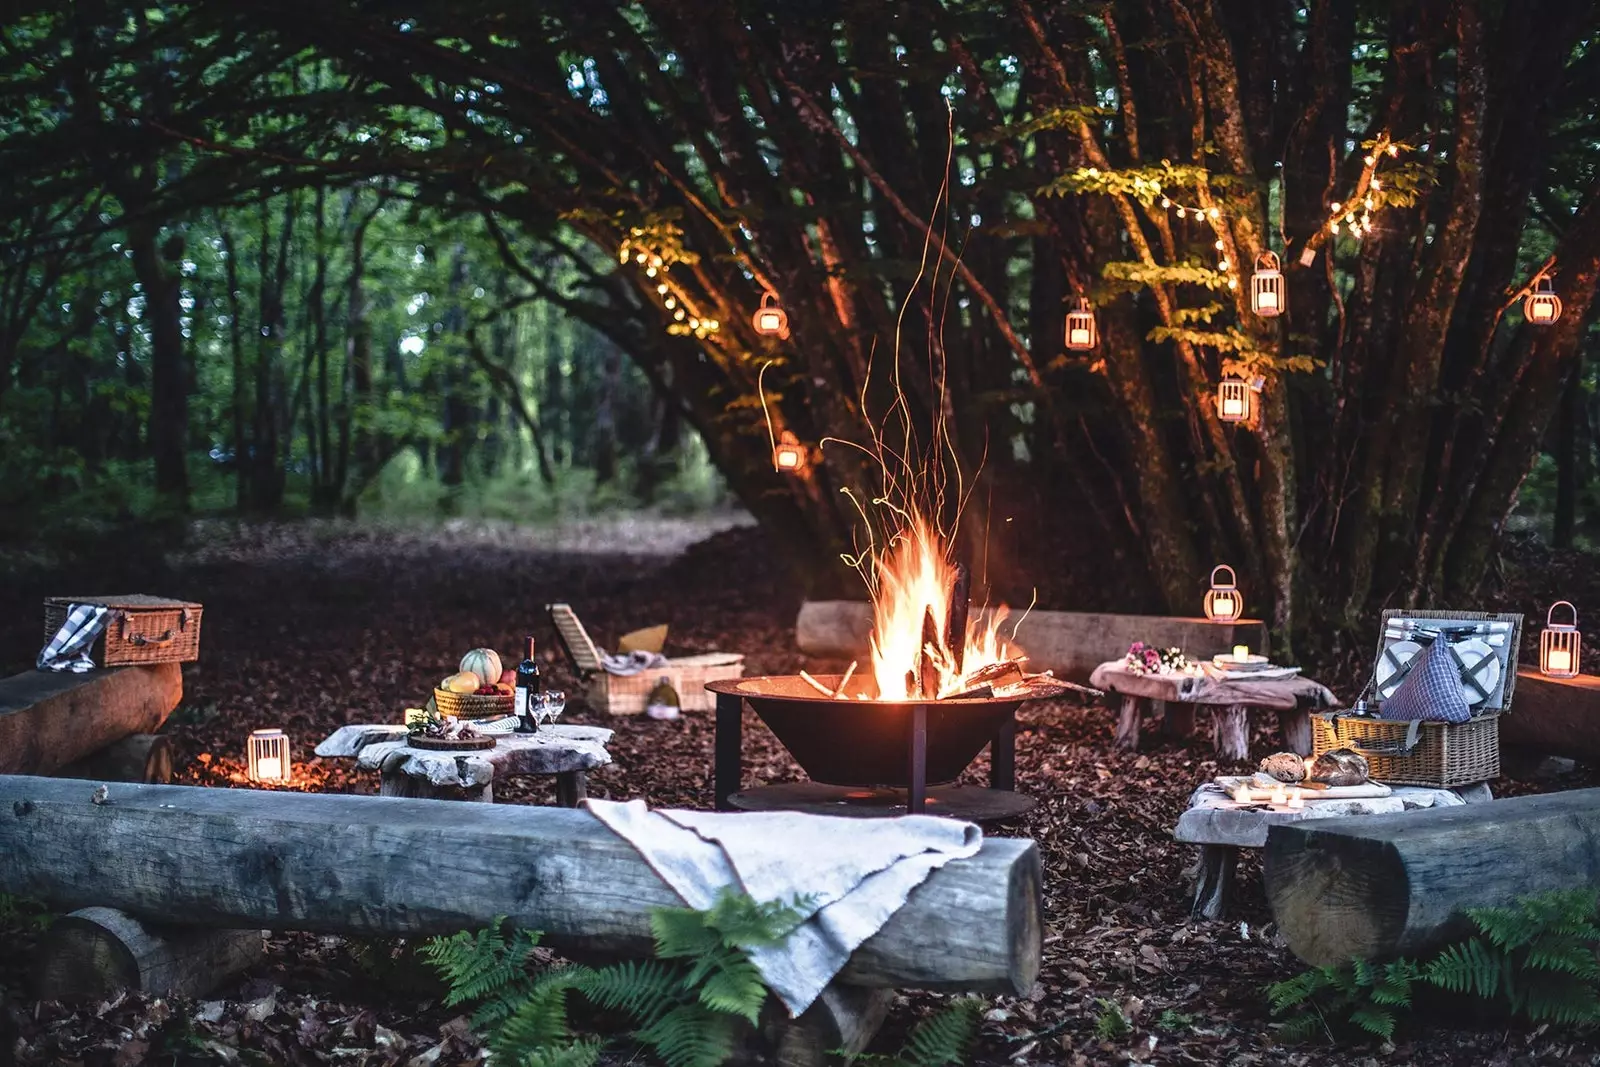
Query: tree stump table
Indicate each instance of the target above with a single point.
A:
(1222, 827)
(567, 752)
(1229, 702)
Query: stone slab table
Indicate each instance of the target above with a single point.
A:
(1221, 827)
(1229, 700)
(567, 752)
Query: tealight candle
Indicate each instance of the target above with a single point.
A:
(1279, 797)
(1296, 800)
(1241, 652)
(1242, 794)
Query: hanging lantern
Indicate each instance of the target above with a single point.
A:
(789, 455)
(1266, 286)
(1082, 333)
(770, 320)
(1233, 400)
(1223, 602)
(1542, 306)
(268, 755)
(1559, 644)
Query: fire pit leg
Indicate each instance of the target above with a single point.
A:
(917, 798)
(1003, 756)
(730, 724)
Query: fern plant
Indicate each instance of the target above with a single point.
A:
(1327, 999)
(941, 1040)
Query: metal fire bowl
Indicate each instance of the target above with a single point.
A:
(868, 743)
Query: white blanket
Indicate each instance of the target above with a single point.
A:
(857, 871)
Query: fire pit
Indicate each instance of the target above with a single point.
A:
(875, 757)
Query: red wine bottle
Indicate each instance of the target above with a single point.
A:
(528, 683)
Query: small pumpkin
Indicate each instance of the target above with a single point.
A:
(465, 682)
(484, 662)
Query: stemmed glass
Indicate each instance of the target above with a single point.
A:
(544, 707)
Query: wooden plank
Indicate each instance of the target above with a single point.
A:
(1555, 716)
(1389, 885)
(49, 719)
(236, 858)
(1071, 644)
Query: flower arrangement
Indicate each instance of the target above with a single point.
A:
(1148, 659)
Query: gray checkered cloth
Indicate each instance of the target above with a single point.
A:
(68, 650)
(1432, 689)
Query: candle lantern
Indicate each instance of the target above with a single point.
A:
(1559, 644)
(1233, 400)
(1082, 333)
(770, 320)
(789, 455)
(1542, 306)
(1266, 286)
(268, 755)
(1223, 602)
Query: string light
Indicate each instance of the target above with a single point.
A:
(684, 318)
(1212, 216)
(1354, 216)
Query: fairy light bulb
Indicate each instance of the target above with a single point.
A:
(1214, 213)
(671, 303)
(1166, 201)
(662, 288)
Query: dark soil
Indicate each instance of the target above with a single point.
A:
(309, 627)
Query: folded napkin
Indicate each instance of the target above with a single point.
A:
(858, 873)
(625, 664)
(68, 650)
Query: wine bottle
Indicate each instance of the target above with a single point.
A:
(528, 683)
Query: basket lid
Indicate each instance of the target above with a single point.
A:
(125, 601)
(579, 646)
(1485, 645)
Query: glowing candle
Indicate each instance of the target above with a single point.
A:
(1558, 660)
(1242, 794)
(1241, 651)
(1266, 299)
(1279, 796)
(1233, 407)
(1296, 800)
(770, 323)
(1224, 606)
(1079, 337)
(269, 768)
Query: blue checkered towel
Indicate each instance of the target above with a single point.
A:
(1432, 689)
(68, 650)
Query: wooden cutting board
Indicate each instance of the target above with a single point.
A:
(1333, 792)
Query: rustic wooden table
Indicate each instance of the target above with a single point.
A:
(1228, 700)
(567, 752)
(1221, 828)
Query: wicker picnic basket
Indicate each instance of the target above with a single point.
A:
(474, 705)
(141, 629)
(1443, 755)
(626, 694)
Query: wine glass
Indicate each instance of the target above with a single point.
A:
(544, 707)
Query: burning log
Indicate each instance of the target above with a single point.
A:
(927, 667)
(999, 675)
(849, 672)
(955, 629)
(982, 692)
(813, 683)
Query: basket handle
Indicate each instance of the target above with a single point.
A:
(145, 640)
(1550, 616)
(1233, 579)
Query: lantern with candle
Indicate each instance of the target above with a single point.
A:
(1223, 602)
(268, 755)
(1542, 306)
(1233, 400)
(770, 320)
(1559, 644)
(1082, 333)
(1266, 286)
(789, 455)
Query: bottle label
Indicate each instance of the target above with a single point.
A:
(522, 701)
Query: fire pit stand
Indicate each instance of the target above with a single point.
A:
(870, 758)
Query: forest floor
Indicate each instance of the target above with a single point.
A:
(314, 625)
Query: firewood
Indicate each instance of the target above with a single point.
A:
(982, 692)
(927, 667)
(955, 629)
(813, 683)
(849, 673)
(999, 675)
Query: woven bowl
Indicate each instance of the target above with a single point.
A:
(472, 705)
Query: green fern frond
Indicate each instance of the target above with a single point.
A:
(1301, 1027)
(1110, 1024)
(682, 933)
(1393, 987)
(643, 989)
(1564, 955)
(735, 989)
(1471, 966)
(583, 1053)
(481, 965)
(1293, 992)
(1363, 973)
(1374, 1020)
(536, 1024)
(690, 1036)
(1558, 1000)
(743, 922)
(942, 1039)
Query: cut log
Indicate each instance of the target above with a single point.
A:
(1295, 724)
(1177, 718)
(1555, 716)
(955, 630)
(235, 858)
(1069, 644)
(94, 952)
(48, 720)
(1388, 885)
(143, 758)
(1230, 731)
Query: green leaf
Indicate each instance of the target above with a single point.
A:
(735, 989)
(944, 1038)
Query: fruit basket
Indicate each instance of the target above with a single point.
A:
(473, 705)
(479, 690)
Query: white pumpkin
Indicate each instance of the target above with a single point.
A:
(484, 662)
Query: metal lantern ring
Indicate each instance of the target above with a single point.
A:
(1082, 331)
(1559, 644)
(770, 320)
(1223, 602)
(1267, 292)
(1542, 306)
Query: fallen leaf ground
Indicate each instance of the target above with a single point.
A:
(313, 625)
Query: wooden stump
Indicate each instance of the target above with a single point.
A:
(1230, 731)
(571, 788)
(1295, 724)
(1177, 720)
(842, 1019)
(403, 785)
(94, 952)
(1128, 724)
(143, 758)
(1213, 886)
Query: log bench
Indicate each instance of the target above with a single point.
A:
(1068, 643)
(231, 859)
(60, 722)
(1555, 716)
(566, 752)
(1389, 885)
